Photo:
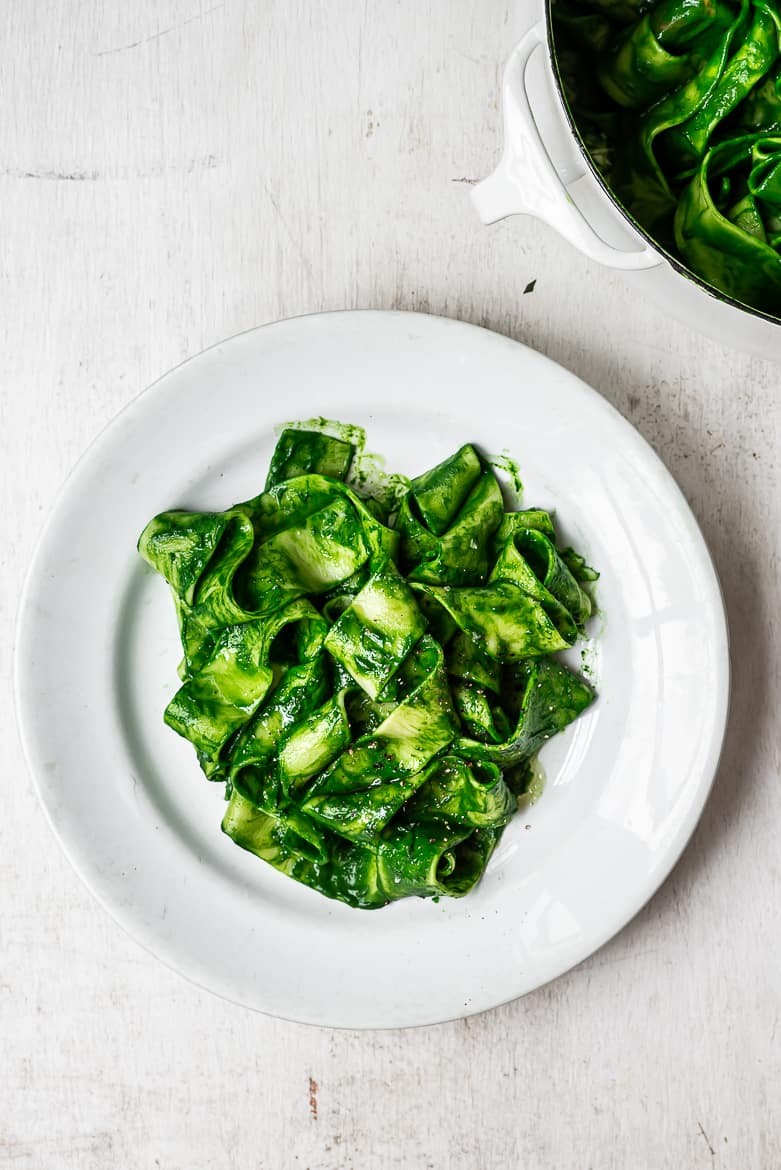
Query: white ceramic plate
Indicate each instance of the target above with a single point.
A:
(98, 647)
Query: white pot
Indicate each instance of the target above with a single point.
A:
(546, 172)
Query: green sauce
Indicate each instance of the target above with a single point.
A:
(536, 785)
(510, 468)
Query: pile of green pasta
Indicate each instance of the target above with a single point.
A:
(371, 679)
(679, 103)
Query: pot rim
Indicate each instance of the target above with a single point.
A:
(672, 260)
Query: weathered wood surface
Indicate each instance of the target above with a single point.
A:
(171, 173)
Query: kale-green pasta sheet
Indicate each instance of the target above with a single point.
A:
(371, 683)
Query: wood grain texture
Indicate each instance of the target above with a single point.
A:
(172, 172)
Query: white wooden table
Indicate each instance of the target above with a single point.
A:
(172, 172)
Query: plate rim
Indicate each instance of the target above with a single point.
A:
(123, 916)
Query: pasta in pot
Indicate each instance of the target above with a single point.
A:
(679, 104)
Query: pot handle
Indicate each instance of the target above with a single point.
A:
(526, 181)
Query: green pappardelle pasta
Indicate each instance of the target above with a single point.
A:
(371, 680)
(679, 104)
